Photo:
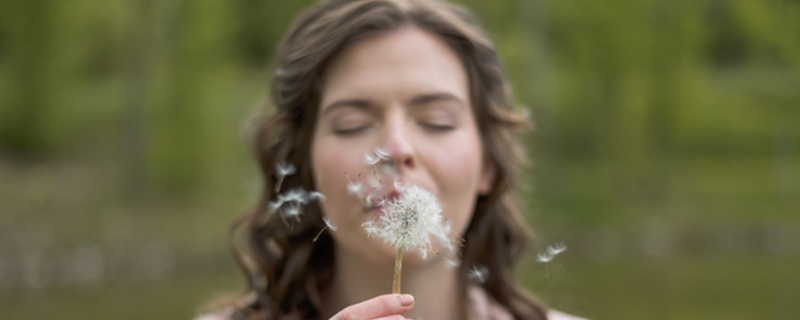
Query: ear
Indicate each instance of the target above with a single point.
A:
(488, 174)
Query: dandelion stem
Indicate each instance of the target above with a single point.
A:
(319, 234)
(278, 185)
(398, 269)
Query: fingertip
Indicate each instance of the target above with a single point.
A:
(406, 300)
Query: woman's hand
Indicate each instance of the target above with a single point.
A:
(385, 307)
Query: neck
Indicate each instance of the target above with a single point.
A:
(432, 283)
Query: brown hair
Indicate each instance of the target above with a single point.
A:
(287, 272)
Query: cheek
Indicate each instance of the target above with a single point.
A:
(330, 164)
(328, 168)
(458, 173)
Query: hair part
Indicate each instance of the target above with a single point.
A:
(288, 273)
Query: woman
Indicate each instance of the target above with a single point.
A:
(419, 82)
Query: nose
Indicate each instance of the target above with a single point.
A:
(400, 144)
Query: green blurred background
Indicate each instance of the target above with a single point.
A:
(666, 152)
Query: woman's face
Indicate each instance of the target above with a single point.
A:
(406, 92)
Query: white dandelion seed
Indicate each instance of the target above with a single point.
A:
(382, 153)
(328, 223)
(370, 202)
(378, 154)
(285, 169)
(354, 188)
(275, 205)
(328, 226)
(282, 170)
(292, 212)
(398, 186)
(452, 263)
(544, 257)
(371, 159)
(297, 195)
(374, 182)
(479, 274)
(315, 195)
(410, 221)
(555, 249)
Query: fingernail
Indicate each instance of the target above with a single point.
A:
(406, 300)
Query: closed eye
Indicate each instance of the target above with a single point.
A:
(441, 127)
(351, 130)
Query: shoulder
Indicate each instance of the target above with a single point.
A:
(482, 307)
(220, 314)
(558, 315)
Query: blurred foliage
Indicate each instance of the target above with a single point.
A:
(121, 122)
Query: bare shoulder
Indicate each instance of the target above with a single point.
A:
(558, 315)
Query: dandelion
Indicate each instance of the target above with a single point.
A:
(409, 222)
(478, 274)
(282, 170)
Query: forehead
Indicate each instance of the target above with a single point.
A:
(404, 61)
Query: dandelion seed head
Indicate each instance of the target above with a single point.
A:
(411, 221)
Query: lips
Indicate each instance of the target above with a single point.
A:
(375, 204)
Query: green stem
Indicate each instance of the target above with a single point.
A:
(398, 269)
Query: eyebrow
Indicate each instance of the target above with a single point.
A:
(434, 97)
(354, 103)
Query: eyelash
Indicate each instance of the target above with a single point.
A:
(350, 131)
(429, 126)
(438, 127)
